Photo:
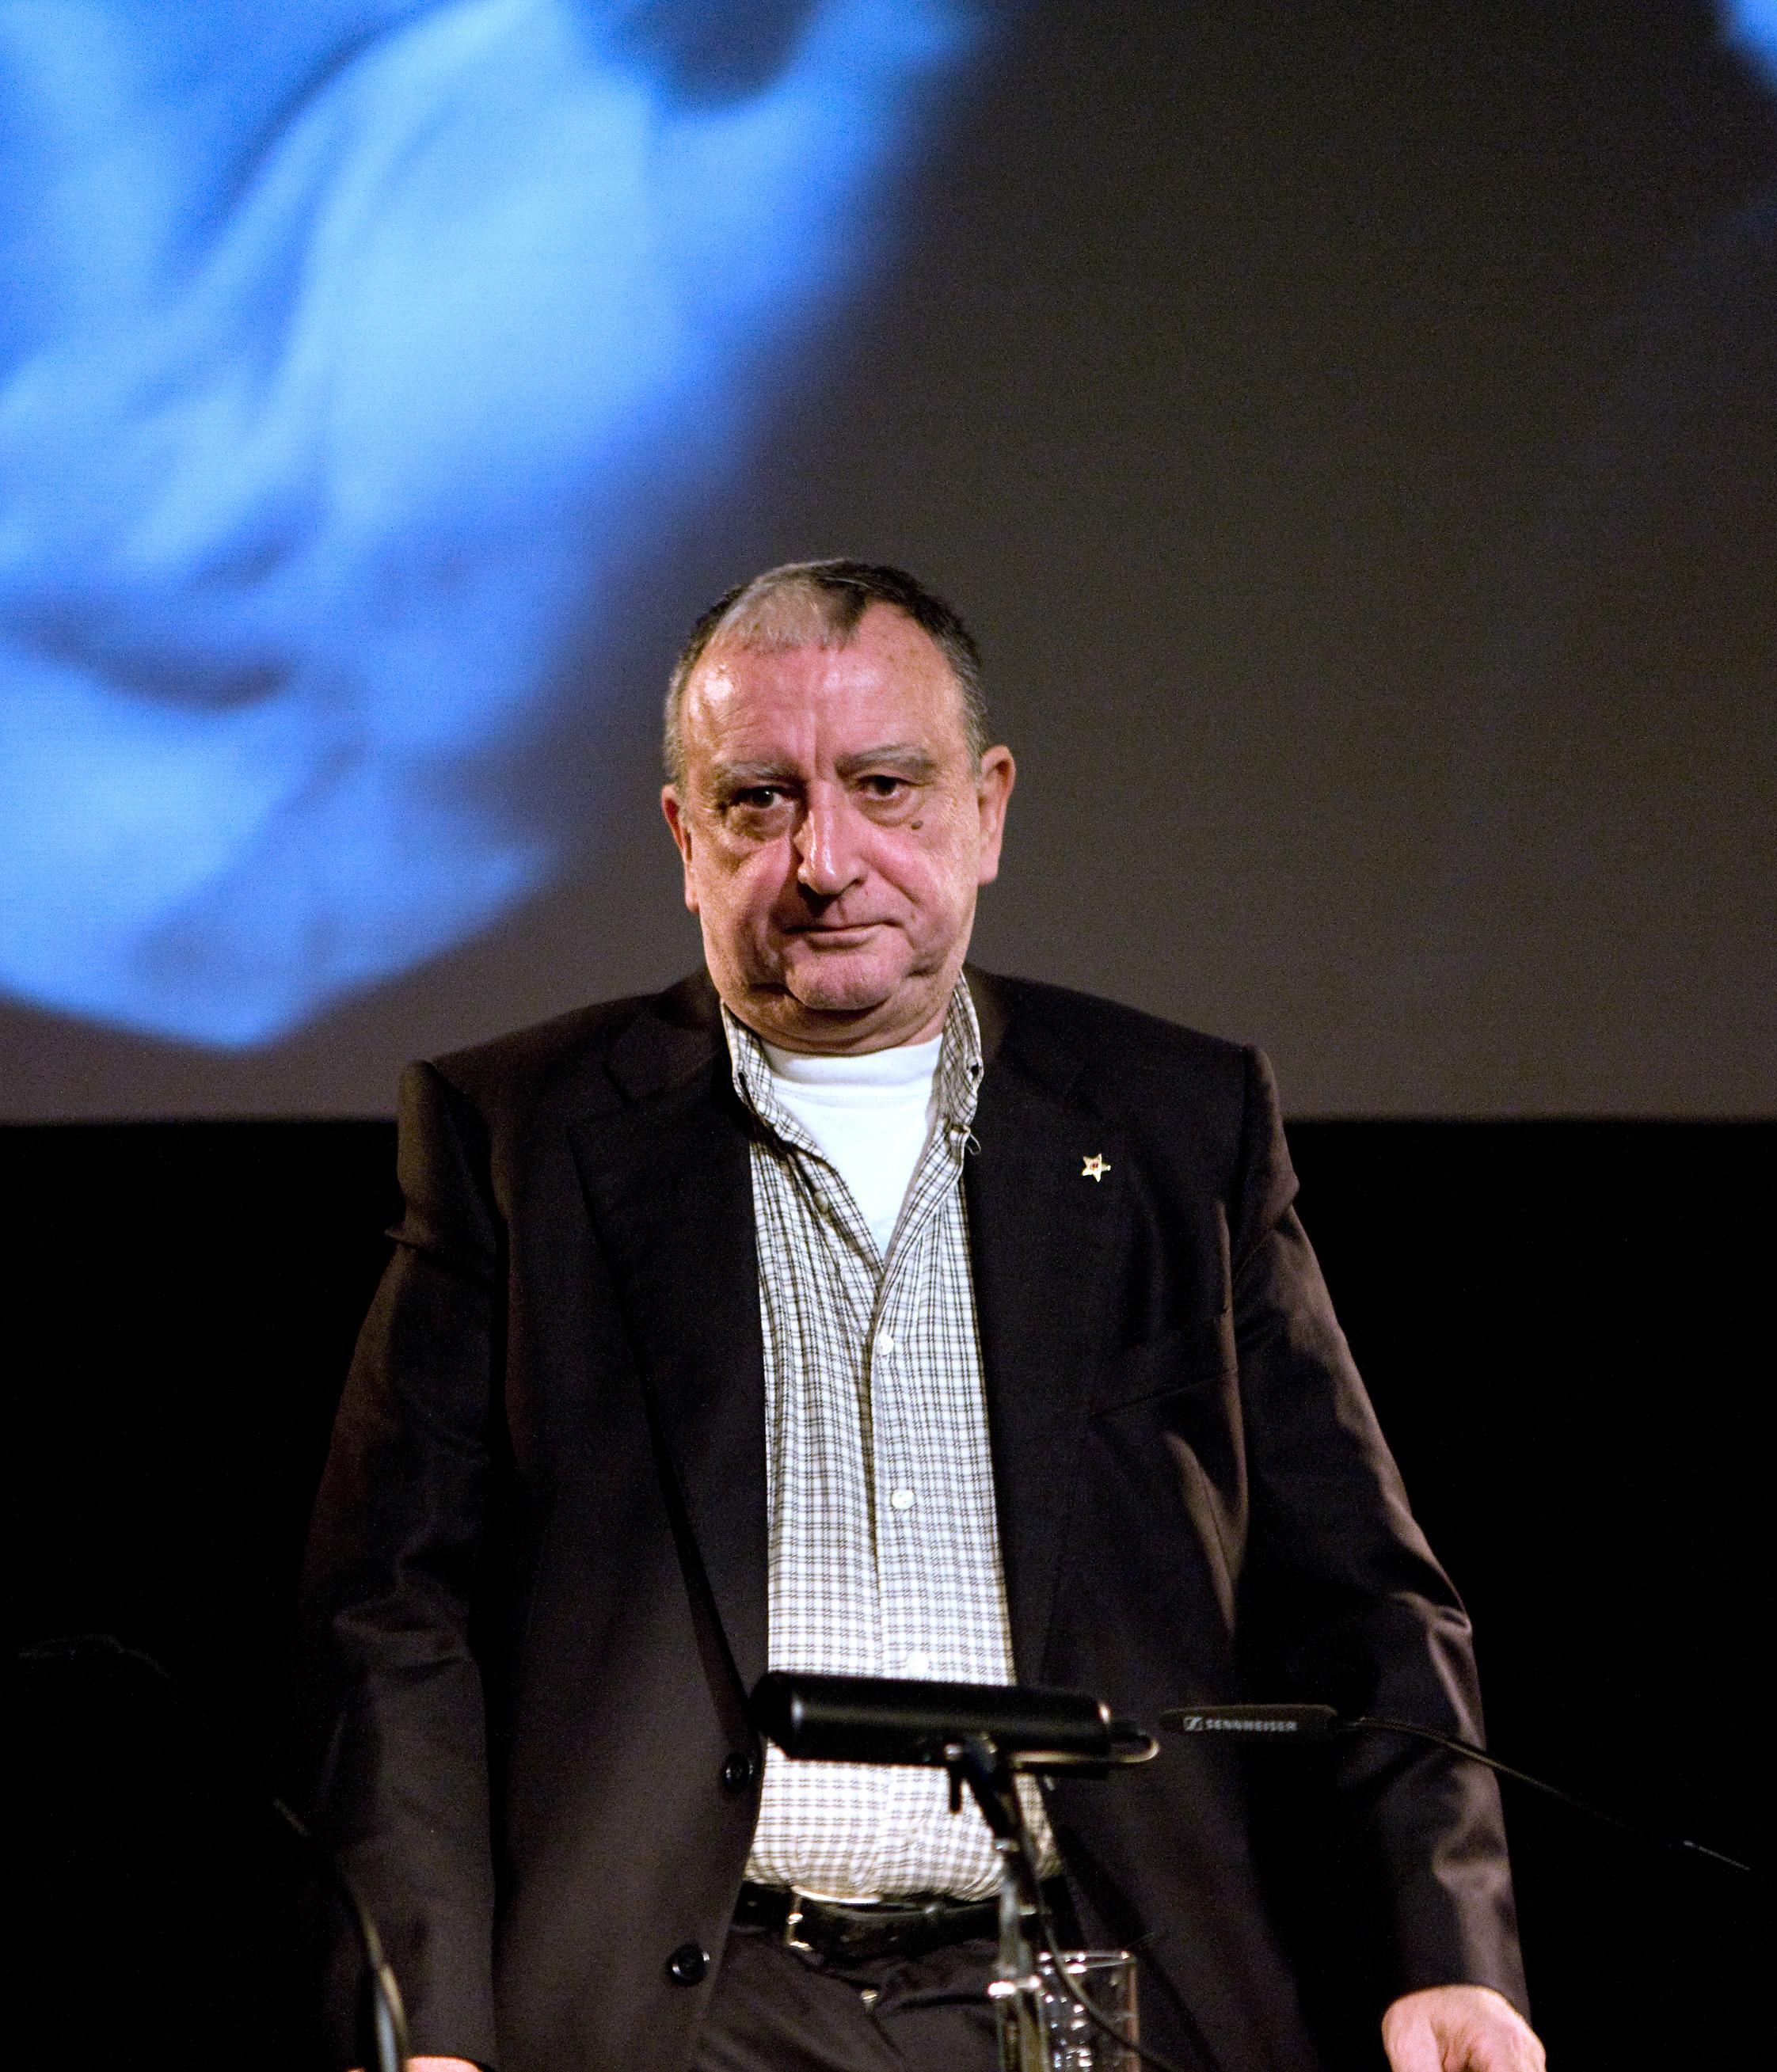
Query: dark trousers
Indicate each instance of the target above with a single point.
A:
(775, 2010)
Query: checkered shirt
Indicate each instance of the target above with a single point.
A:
(885, 1556)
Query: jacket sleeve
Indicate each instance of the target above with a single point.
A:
(387, 1694)
(1349, 1607)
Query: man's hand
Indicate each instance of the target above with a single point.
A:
(438, 2065)
(1459, 2029)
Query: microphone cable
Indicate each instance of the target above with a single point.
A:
(1268, 1723)
(389, 2017)
(1271, 1725)
(1456, 1747)
(1094, 2014)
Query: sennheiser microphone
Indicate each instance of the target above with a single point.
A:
(1254, 1723)
(1294, 1725)
(919, 1724)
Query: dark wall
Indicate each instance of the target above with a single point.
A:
(1558, 1325)
(1557, 1321)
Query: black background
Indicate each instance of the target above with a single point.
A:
(1559, 1322)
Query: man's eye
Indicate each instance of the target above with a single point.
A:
(756, 797)
(882, 786)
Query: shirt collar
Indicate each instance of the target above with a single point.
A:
(960, 1066)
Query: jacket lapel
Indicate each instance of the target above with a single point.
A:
(1040, 1229)
(668, 1187)
(668, 1184)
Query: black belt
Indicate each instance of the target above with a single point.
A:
(855, 1931)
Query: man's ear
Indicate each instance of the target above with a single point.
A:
(679, 820)
(999, 773)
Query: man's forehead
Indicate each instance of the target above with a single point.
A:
(892, 667)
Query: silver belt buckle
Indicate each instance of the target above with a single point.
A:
(792, 1941)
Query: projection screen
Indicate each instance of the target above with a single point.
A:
(1348, 428)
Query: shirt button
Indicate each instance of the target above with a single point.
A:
(918, 1663)
(885, 1344)
(737, 1774)
(902, 1499)
(687, 1964)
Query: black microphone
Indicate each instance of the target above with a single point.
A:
(917, 1723)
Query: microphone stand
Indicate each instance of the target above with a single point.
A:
(984, 1737)
(975, 1762)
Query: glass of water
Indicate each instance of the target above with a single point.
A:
(1074, 2041)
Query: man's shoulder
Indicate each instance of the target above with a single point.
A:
(598, 1055)
(1190, 1105)
(1103, 1037)
(614, 1051)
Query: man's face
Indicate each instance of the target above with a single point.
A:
(834, 830)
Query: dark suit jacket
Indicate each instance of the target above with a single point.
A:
(536, 1593)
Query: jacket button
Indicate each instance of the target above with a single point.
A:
(688, 1963)
(737, 1774)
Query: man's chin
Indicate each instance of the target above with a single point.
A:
(829, 983)
(832, 1009)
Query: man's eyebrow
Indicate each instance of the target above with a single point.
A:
(905, 757)
(743, 776)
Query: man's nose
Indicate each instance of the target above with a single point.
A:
(828, 854)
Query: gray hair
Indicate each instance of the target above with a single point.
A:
(818, 604)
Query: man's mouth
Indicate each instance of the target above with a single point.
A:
(826, 935)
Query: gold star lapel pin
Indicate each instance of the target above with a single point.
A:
(1093, 1168)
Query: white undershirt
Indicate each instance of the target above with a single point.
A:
(869, 1115)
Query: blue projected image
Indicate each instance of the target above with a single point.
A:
(349, 353)
(1752, 24)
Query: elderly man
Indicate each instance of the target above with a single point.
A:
(843, 1309)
